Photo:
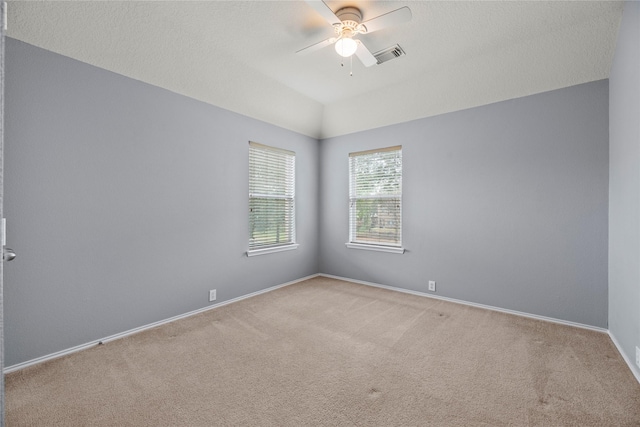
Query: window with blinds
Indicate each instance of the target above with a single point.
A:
(271, 198)
(375, 197)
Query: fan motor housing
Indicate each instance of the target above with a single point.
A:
(349, 14)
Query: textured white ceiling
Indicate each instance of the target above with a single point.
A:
(240, 55)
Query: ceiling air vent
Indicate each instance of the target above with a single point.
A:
(389, 53)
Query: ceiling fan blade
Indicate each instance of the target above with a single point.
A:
(324, 11)
(389, 19)
(316, 46)
(365, 56)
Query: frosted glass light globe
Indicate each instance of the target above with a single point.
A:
(346, 47)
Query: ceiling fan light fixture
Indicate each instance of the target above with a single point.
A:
(346, 47)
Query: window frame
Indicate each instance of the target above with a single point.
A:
(384, 194)
(285, 165)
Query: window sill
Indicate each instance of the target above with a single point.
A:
(392, 249)
(255, 252)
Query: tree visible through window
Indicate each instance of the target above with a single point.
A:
(375, 197)
(271, 197)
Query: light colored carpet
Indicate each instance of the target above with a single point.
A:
(331, 353)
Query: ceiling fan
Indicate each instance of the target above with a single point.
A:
(347, 23)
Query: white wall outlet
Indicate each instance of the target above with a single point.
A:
(432, 285)
(638, 356)
(212, 295)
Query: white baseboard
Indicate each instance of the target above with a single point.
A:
(80, 347)
(472, 304)
(85, 346)
(634, 369)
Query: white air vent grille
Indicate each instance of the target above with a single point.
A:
(389, 53)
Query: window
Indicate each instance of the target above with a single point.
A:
(271, 199)
(375, 200)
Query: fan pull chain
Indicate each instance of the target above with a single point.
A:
(351, 59)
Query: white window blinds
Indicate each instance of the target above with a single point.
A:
(375, 197)
(271, 197)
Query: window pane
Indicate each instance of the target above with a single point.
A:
(270, 221)
(377, 174)
(377, 221)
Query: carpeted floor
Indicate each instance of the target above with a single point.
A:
(331, 353)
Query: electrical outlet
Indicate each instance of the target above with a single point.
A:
(212, 295)
(432, 285)
(638, 356)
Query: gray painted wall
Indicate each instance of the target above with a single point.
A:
(126, 203)
(624, 187)
(504, 205)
